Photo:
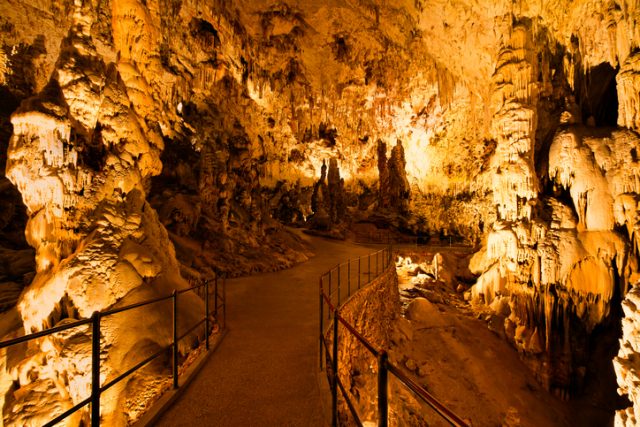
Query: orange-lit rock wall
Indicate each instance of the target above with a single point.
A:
(210, 112)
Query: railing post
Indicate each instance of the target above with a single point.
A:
(330, 288)
(349, 277)
(175, 338)
(359, 258)
(377, 263)
(224, 300)
(369, 266)
(206, 313)
(95, 370)
(321, 324)
(383, 390)
(334, 383)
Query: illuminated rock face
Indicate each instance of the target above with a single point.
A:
(81, 159)
(393, 187)
(568, 267)
(217, 113)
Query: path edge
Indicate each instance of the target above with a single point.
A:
(159, 407)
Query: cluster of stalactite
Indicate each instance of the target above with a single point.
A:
(554, 261)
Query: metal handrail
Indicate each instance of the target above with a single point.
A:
(384, 366)
(68, 412)
(35, 335)
(96, 388)
(426, 397)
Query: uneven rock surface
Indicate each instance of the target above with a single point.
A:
(372, 312)
(461, 356)
(154, 140)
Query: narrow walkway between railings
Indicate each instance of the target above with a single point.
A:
(265, 371)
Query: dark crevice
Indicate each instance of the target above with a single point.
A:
(600, 96)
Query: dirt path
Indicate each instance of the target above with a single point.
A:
(265, 371)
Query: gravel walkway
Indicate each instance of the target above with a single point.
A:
(265, 372)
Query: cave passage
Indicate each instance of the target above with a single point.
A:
(149, 145)
(267, 366)
(601, 98)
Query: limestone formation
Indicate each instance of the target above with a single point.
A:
(383, 176)
(328, 202)
(335, 187)
(81, 159)
(151, 142)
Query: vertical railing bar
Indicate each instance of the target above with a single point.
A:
(224, 299)
(321, 323)
(206, 313)
(369, 267)
(359, 258)
(383, 390)
(175, 339)
(95, 370)
(334, 384)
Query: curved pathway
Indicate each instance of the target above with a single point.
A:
(265, 372)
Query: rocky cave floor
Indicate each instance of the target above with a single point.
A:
(456, 350)
(459, 354)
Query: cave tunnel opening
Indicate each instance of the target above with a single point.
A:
(600, 99)
(600, 386)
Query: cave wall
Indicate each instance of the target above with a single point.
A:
(135, 123)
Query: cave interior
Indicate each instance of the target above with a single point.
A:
(147, 146)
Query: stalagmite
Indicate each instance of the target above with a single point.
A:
(149, 144)
(80, 158)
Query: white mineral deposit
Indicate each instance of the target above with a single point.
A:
(150, 146)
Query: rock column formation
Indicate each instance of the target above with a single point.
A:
(514, 125)
(559, 263)
(82, 160)
(394, 192)
(519, 124)
(328, 198)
